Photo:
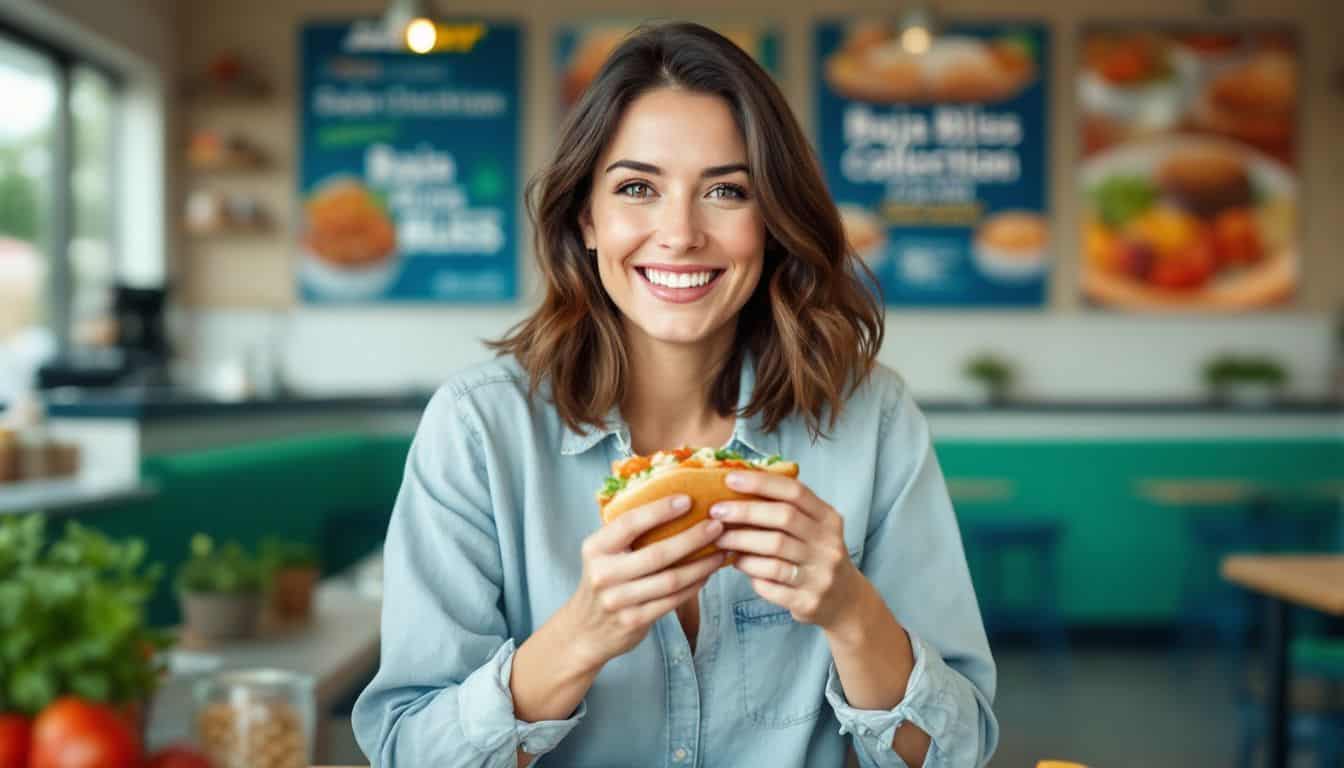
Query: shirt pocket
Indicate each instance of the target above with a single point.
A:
(782, 665)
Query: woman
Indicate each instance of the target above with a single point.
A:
(514, 626)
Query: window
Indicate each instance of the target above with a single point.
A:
(58, 263)
(27, 153)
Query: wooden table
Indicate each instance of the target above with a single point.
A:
(336, 650)
(1313, 581)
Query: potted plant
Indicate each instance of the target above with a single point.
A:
(993, 376)
(1251, 380)
(220, 591)
(294, 571)
(73, 623)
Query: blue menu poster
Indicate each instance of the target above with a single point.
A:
(409, 164)
(938, 159)
(582, 48)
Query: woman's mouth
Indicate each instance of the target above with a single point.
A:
(679, 287)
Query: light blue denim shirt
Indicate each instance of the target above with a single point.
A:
(483, 548)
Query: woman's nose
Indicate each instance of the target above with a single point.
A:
(678, 225)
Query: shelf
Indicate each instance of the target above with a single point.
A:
(242, 91)
(256, 230)
(235, 164)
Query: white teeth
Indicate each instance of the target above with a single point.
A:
(678, 280)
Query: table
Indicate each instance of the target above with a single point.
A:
(337, 649)
(1313, 581)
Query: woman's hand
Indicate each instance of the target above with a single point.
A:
(793, 548)
(622, 593)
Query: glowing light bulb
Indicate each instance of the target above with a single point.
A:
(916, 40)
(421, 35)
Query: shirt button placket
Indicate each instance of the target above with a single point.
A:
(683, 716)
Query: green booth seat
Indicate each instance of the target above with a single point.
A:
(334, 492)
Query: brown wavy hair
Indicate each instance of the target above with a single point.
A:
(813, 325)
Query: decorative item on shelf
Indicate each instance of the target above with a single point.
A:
(992, 374)
(220, 590)
(294, 571)
(227, 77)
(210, 151)
(9, 455)
(1245, 380)
(76, 636)
(213, 213)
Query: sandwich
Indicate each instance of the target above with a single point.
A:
(696, 472)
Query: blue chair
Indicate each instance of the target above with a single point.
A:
(1316, 700)
(1211, 605)
(1316, 686)
(991, 545)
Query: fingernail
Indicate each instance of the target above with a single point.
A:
(721, 511)
(681, 503)
(737, 481)
(714, 528)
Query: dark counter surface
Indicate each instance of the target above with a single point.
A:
(170, 404)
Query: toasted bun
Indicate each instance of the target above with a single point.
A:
(706, 487)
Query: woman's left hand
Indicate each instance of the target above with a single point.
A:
(794, 550)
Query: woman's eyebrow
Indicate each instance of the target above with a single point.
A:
(713, 170)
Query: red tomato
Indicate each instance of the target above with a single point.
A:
(177, 756)
(74, 733)
(16, 737)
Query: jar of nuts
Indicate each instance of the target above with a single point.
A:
(256, 718)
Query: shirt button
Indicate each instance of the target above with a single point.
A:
(680, 754)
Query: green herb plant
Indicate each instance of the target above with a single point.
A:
(993, 372)
(73, 619)
(1226, 371)
(226, 569)
(278, 554)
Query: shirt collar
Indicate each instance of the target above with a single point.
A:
(747, 432)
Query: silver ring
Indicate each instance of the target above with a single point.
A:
(793, 577)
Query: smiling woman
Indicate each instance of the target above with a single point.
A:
(682, 160)
(699, 292)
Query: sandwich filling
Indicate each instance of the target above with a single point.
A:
(635, 471)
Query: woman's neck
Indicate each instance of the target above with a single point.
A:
(667, 402)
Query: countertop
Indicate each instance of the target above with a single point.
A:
(169, 404)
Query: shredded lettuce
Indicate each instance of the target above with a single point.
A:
(613, 485)
(723, 454)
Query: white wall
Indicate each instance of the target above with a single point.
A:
(1067, 356)
(241, 297)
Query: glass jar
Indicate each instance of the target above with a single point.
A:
(256, 718)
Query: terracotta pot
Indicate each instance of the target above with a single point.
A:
(292, 592)
(213, 616)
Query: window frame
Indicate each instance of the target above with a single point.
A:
(59, 288)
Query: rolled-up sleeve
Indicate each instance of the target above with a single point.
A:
(913, 555)
(441, 695)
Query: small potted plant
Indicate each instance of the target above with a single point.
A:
(993, 376)
(294, 571)
(1248, 380)
(73, 622)
(220, 590)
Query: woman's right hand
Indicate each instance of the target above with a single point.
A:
(622, 593)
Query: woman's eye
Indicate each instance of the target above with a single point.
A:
(635, 189)
(732, 192)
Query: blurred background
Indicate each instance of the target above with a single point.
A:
(242, 242)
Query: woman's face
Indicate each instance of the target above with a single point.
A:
(673, 216)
